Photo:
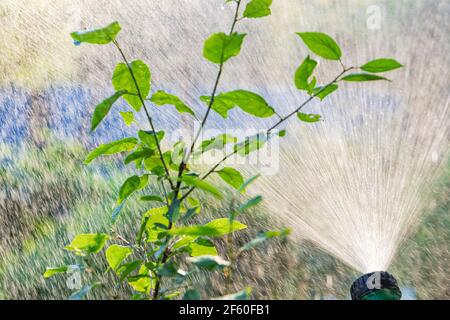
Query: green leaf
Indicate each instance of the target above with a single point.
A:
(282, 133)
(321, 44)
(244, 186)
(115, 255)
(139, 154)
(128, 117)
(249, 204)
(381, 65)
(98, 36)
(161, 98)
(131, 185)
(152, 198)
(126, 269)
(174, 210)
(49, 272)
(215, 228)
(114, 147)
(210, 263)
(140, 283)
(322, 92)
(258, 9)
(220, 47)
(201, 184)
(202, 247)
(363, 77)
(241, 295)
(217, 142)
(303, 73)
(308, 117)
(148, 137)
(192, 294)
(263, 236)
(251, 144)
(248, 101)
(102, 109)
(231, 176)
(123, 80)
(152, 221)
(86, 243)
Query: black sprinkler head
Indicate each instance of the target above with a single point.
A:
(378, 285)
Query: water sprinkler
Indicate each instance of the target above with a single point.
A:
(378, 285)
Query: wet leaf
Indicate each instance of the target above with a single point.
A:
(308, 117)
(102, 109)
(87, 243)
(363, 77)
(215, 228)
(231, 176)
(220, 47)
(303, 73)
(123, 80)
(161, 98)
(115, 254)
(381, 65)
(98, 36)
(258, 8)
(114, 147)
(321, 44)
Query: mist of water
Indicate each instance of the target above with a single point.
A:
(354, 183)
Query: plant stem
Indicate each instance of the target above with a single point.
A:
(146, 111)
(182, 166)
(216, 84)
(268, 131)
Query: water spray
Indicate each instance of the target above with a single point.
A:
(378, 285)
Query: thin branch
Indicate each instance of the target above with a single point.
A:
(146, 111)
(216, 84)
(282, 119)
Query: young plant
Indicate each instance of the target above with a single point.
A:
(150, 263)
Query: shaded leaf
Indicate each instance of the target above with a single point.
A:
(241, 295)
(363, 77)
(102, 109)
(263, 236)
(210, 263)
(81, 294)
(152, 198)
(249, 204)
(131, 185)
(148, 137)
(244, 186)
(192, 294)
(322, 92)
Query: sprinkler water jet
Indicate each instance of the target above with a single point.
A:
(378, 285)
